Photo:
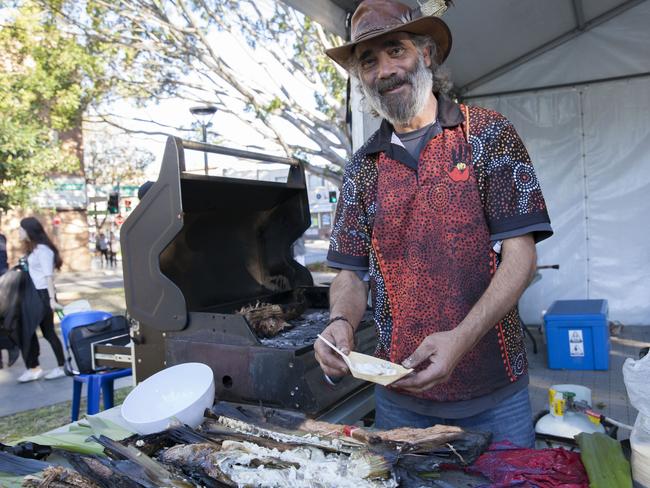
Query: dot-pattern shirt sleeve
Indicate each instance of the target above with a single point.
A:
(513, 200)
(350, 239)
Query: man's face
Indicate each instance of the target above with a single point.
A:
(394, 75)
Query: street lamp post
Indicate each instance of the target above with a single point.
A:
(203, 115)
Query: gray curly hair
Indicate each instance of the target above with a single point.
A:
(442, 82)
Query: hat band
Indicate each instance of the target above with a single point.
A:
(373, 31)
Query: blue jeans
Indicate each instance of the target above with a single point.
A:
(510, 420)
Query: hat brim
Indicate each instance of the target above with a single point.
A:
(433, 27)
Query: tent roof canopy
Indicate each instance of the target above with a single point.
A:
(494, 37)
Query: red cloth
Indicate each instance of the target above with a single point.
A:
(507, 465)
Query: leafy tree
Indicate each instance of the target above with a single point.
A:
(45, 84)
(180, 48)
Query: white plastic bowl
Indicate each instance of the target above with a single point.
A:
(182, 392)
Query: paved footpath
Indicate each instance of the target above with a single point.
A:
(17, 397)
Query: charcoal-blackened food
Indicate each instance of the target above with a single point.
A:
(197, 461)
(103, 471)
(58, 477)
(266, 319)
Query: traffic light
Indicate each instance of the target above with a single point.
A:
(113, 202)
(333, 197)
(127, 205)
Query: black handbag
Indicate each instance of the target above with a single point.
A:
(113, 330)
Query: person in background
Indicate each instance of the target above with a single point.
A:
(42, 259)
(103, 247)
(112, 254)
(5, 342)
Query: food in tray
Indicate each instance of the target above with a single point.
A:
(370, 368)
(381, 369)
(375, 370)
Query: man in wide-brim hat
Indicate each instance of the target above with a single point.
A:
(439, 214)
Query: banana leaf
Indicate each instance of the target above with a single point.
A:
(10, 481)
(76, 439)
(604, 461)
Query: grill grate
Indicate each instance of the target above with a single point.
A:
(303, 333)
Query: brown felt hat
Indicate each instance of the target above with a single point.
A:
(374, 18)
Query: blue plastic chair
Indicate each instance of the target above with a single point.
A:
(97, 382)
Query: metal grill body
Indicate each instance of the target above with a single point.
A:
(198, 248)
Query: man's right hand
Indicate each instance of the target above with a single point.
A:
(340, 334)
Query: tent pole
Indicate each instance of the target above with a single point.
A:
(579, 14)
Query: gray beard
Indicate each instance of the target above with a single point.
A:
(399, 109)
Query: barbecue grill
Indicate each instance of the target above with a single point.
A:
(200, 247)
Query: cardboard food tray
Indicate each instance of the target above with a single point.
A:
(384, 380)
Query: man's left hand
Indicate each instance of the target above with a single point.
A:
(443, 350)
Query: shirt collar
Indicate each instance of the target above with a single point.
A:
(449, 115)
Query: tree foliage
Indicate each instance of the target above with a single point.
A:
(110, 161)
(178, 48)
(45, 84)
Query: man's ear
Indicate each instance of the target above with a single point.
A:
(426, 54)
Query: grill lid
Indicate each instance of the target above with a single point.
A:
(198, 243)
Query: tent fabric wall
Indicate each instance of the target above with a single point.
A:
(591, 149)
(590, 144)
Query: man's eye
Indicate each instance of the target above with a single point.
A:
(396, 51)
(367, 63)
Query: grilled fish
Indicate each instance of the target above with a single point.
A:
(246, 464)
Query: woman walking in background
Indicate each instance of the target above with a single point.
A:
(42, 259)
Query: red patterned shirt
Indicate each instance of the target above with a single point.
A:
(425, 231)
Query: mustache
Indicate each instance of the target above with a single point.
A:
(382, 86)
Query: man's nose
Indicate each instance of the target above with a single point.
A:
(385, 67)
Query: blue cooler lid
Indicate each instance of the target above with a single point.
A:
(578, 307)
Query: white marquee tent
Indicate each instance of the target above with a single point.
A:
(573, 76)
